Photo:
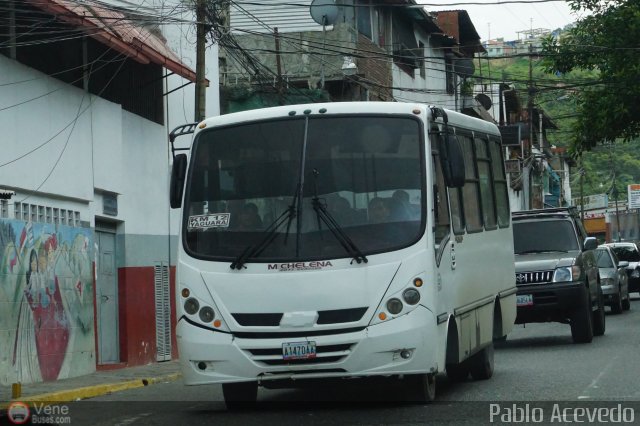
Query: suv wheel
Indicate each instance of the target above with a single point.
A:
(581, 322)
(599, 324)
(626, 303)
(616, 306)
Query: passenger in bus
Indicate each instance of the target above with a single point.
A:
(249, 219)
(401, 207)
(378, 211)
(341, 210)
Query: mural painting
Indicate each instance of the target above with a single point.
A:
(46, 302)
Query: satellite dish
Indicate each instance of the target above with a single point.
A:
(324, 12)
(464, 67)
(484, 100)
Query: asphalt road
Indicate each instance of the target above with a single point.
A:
(538, 364)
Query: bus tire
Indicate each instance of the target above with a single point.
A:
(458, 372)
(422, 388)
(240, 395)
(481, 364)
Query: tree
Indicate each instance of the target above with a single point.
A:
(606, 41)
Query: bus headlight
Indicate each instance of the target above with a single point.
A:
(191, 306)
(394, 306)
(400, 302)
(411, 296)
(206, 314)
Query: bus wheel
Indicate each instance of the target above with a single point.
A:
(458, 372)
(422, 387)
(481, 364)
(240, 395)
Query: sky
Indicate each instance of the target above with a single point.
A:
(505, 20)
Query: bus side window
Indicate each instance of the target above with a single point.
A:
(440, 203)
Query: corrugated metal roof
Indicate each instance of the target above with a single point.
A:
(118, 31)
(290, 16)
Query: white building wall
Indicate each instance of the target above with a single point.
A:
(145, 203)
(105, 148)
(44, 124)
(432, 88)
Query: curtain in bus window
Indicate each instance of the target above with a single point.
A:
(471, 191)
(486, 184)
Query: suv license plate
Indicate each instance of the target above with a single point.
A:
(299, 350)
(524, 300)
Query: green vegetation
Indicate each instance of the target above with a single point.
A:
(604, 41)
(559, 98)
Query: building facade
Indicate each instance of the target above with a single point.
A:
(276, 53)
(86, 235)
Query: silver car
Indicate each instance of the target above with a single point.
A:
(629, 251)
(613, 278)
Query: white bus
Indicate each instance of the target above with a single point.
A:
(341, 240)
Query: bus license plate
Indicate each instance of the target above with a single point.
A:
(299, 350)
(524, 300)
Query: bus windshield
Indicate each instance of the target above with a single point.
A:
(269, 177)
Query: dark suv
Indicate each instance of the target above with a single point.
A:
(556, 272)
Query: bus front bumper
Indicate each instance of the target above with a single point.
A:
(404, 345)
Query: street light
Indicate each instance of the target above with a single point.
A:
(349, 67)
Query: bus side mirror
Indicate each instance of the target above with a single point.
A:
(452, 161)
(176, 187)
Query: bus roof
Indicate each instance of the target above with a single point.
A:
(332, 108)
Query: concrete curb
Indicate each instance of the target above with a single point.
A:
(70, 395)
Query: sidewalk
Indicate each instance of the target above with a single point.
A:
(95, 384)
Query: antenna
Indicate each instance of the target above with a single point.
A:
(324, 12)
(484, 100)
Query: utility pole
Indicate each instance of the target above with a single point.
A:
(530, 113)
(614, 190)
(201, 30)
(278, 65)
(581, 188)
(615, 195)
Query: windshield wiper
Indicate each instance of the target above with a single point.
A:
(270, 234)
(542, 251)
(324, 216)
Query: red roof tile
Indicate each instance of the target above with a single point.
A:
(117, 31)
